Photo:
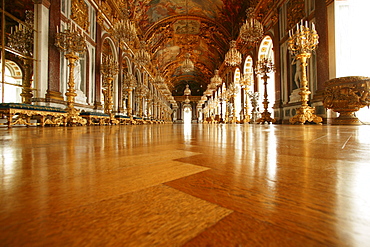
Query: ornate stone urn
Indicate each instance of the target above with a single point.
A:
(347, 95)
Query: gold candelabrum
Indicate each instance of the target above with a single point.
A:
(254, 102)
(301, 44)
(233, 91)
(72, 43)
(141, 92)
(265, 66)
(129, 83)
(20, 41)
(149, 104)
(227, 110)
(109, 69)
(27, 82)
(246, 81)
(222, 98)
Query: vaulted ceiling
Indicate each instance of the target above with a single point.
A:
(202, 28)
(172, 28)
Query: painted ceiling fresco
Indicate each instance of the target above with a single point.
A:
(202, 28)
(148, 12)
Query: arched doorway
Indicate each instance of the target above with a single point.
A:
(266, 51)
(187, 114)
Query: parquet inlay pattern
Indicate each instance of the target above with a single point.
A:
(156, 216)
(176, 185)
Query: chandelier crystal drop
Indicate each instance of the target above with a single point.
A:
(233, 56)
(187, 65)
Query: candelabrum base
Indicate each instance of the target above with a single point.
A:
(234, 120)
(247, 119)
(73, 118)
(266, 117)
(112, 119)
(305, 114)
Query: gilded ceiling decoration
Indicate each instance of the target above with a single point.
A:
(295, 12)
(80, 14)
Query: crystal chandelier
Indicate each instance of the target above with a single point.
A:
(211, 87)
(125, 30)
(187, 90)
(252, 30)
(187, 65)
(142, 56)
(158, 79)
(233, 57)
(129, 82)
(216, 79)
(208, 92)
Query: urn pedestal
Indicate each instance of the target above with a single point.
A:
(347, 95)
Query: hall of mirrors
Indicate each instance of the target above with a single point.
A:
(102, 62)
(184, 123)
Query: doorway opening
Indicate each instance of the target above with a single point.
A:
(187, 115)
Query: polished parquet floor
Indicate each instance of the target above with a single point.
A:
(185, 185)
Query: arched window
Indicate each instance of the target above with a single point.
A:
(248, 73)
(13, 83)
(238, 97)
(248, 69)
(266, 51)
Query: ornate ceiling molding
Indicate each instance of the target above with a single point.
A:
(295, 12)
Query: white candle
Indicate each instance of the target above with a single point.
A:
(11, 30)
(57, 29)
(313, 26)
(306, 24)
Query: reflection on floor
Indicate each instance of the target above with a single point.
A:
(185, 185)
